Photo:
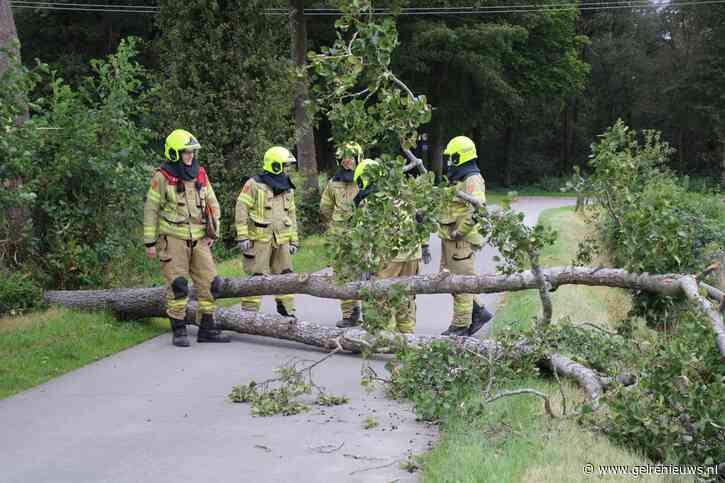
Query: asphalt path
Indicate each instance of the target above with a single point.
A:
(157, 413)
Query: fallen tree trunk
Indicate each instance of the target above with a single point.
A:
(139, 300)
(149, 302)
(356, 340)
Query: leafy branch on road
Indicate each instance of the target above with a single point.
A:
(280, 394)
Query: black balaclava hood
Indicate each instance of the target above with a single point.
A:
(279, 183)
(180, 170)
(344, 175)
(459, 173)
(362, 194)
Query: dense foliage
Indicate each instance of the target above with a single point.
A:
(650, 221)
(226, 77)
(80, 170)
(528, 86)
(675, 412)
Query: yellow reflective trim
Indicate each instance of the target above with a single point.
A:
(153, 196)
(246, 199)
(261, 203)
(177, 303)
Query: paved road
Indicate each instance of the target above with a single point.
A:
(156, 413)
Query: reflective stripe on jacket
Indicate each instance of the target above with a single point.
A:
(459, 215)
(171, 210)
(262, 215)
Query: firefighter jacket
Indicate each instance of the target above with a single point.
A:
(336, 204)
(458, 218)
(179, 208)
(263, 216)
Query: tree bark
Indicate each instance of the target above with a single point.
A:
(15, 215)
(8, 34)
(722, 162)
(149, 302)
(306, 152)
(507, 145)
(357, 340)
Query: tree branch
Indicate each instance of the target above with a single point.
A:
(690, 288)
(518, 392)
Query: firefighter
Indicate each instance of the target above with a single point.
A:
(336, 206)
(266, 225)
(459, 233)
(181, 222)
(403, 265)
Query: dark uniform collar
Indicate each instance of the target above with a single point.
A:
(457, 174)
(343, 175)
(280, 183)
(181, 171)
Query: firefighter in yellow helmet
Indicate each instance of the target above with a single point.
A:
(181, 222)
(403, 265)
(460, 237)
(266, 224)
(336, 206)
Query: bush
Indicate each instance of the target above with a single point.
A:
(18, 292)
(675, 412)
(82, 161)
(650, 222)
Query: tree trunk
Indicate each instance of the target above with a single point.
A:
(507, 145)
(437, 149)
(681, 149)
(567, 135)
(15, 215)
(8, 34)
(148, 302)
(306, 153)
(722, 161)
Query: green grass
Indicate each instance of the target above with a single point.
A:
(38, 347)
(526, 192)
(600, 305)
(514, 440)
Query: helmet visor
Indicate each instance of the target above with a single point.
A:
(452, 159)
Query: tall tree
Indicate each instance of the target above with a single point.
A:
(8, 34)
(228, 80)
(306, 154)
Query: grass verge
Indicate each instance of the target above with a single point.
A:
(514, 440)
(39, 346)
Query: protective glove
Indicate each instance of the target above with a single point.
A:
(426, 254)
(293, 249)
(244, 245)
(419, 216)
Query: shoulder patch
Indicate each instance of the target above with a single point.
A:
(154, 184)
(247, 187)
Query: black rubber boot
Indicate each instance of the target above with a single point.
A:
(456, 331)
(281, 310)
(207, 332)
(479, 317)
(354, 319)
(180, 338)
